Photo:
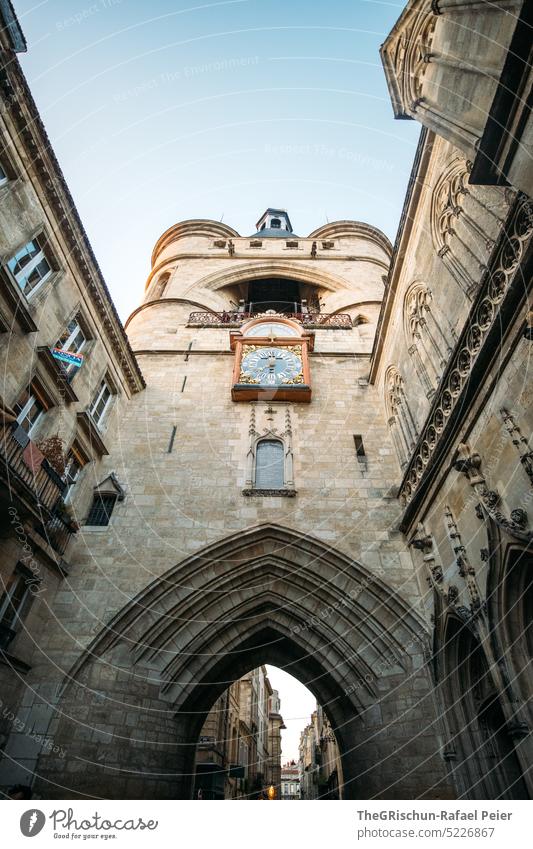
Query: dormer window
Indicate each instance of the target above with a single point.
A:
(275, 223)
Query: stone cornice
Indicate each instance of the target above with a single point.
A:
(409, 211)
(288, 255)
(163, 301)
(192, 352)
(10, 30)
(22, 110)
(352, 230)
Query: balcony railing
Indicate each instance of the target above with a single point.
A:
(43, 488)
(311, 320)
(56, 531)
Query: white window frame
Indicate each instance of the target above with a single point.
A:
(26, 409)
(22, 275)
(71, 482)
(104, 384)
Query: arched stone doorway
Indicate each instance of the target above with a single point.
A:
(134, 703)
(485, 759)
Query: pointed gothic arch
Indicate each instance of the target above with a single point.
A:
(481, 743)
(266, 595)
(426, 342)
(400, 418)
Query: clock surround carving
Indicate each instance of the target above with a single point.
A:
(271, 367)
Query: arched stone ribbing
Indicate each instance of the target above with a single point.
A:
(481, 745)
(426, 342)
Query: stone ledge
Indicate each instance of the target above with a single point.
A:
(270, 493)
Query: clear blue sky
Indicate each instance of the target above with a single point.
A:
(180, 109)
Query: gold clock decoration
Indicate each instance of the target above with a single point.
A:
(271, 367)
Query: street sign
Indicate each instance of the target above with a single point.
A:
(68, 357)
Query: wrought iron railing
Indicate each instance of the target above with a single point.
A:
(56, 531)
(42, 485)
(312, 320)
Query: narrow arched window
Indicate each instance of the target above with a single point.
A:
(269, 464)
(161, 285)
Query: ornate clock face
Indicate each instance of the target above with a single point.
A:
(271, 366)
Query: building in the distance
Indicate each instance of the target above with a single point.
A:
(290, 782)
(275, 727)
(239, 748)
(319, 764)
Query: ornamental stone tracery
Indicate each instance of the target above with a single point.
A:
(495, 285)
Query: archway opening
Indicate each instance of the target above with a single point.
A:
(488, 762)
(281, 294)
(263, 596)
(266, 737)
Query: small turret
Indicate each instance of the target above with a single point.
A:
(274, 222)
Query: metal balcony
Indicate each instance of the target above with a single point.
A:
(311, 320)
(39, 493)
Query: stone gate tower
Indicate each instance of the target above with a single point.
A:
(256, 523)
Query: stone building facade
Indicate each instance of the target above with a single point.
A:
(290, 782)
(275, 728)
(320, 762)
(328, 470)
(58, 421)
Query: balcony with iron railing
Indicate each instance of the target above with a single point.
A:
(311, 320)
(36, 485)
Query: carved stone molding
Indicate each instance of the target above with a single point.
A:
(484, 316)
(464, 566)
(270, 493)
(519, 441)
(469, 463)
(423, 542)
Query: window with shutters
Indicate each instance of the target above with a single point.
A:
(75, 463)
(269, 464)
(31, 405)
